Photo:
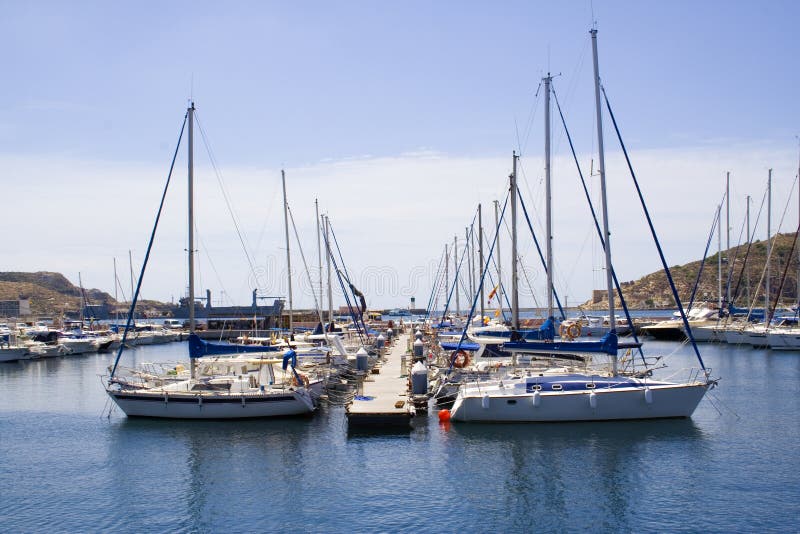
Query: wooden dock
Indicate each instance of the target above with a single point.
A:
(383, 401)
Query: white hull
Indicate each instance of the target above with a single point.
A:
(708, 334)
(677, 400)
(736, 337)
(13, 354)
(220, 406)
(786, 340)
(78, 346)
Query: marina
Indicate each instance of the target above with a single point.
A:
(78, 469)
(428, 268)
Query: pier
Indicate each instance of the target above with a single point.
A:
(383, 401)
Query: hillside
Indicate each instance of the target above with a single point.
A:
(52, 294)
(652, 290)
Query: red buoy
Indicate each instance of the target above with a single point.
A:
(444, 416)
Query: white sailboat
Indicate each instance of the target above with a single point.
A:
(574, 390)
(249, 389)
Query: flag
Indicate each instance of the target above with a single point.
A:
(493, 292)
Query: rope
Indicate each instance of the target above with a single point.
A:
(622, 301)
(655, 237)
(149, 248)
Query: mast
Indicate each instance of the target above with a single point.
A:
(769, 248)
(319, 252)
(328, 262)
(797, 294)
(497, 254)
(514, 288)
(728, 231)
(747, 272)
(480, 259)
(288, 254)
(719, 257)
(455, 272)
(548, 195)
(604, 201)
(446, 275)
(190, 158)
(468, 252)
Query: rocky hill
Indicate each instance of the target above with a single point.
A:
(652, 290)
(52, 294)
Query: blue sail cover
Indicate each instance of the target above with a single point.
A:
(454, 345)
(605, 345)
(199, 348)
(756, 314)
(547, 330)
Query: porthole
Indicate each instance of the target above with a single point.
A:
(537, 387)
(557, 387)
(511, 401)
(590, 385)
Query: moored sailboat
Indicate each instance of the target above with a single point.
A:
(243, 391)
(577, 388)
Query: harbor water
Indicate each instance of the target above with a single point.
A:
(67, 466)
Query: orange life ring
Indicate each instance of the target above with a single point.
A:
(574, 330)
(460, 359)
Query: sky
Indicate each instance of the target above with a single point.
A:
(400, 118)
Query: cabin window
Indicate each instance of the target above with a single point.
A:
(537, 387)
(556, 387)
(511, 401)
(590, 385)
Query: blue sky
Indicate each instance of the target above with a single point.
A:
(345, 94)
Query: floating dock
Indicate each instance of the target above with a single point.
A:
(383, 401)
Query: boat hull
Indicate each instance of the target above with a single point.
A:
(669, 401)
(189, 406)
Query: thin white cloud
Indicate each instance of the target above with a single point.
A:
(392, 217)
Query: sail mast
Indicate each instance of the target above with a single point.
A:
(497, 255)
(728, 231)
(604, 202)
(548, 196)
(288, 254)
(191, 229)
(719, 256)
(319, 251)
(769, 248)
(514, 288)
(480, 260)
(455, 273)
(326, 225)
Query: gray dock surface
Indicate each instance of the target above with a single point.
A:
(388, 390)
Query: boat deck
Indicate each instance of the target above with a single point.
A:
(384, 401)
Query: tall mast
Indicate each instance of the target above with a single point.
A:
(319, 252)
(116, 298)
(288, 254)
(548, 195)
(728, 232)
(328, 262)
(468, 252)
(455, 272)
(604, 201)
(769, 247)
(719, 256)
(747, 272)
(446, 274)
(797, 294)
(514, 288)
(497, 255)
(480, 259)
(191, 229)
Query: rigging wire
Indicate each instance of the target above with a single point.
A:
(226, 197)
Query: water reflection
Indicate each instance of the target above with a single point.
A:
(544, 472)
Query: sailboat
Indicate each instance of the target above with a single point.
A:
(225, 389)
(574, 389)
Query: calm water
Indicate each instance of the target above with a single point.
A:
(64, 466)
